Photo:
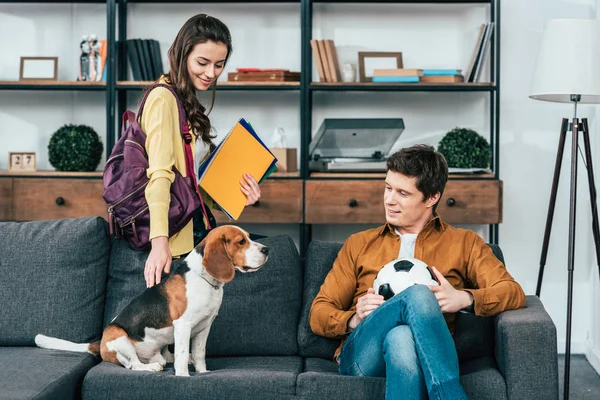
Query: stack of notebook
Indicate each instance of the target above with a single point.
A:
(414, 75)
(240, 152)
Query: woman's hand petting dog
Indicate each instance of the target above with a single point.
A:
(158, 261)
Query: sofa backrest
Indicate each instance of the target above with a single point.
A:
(53, 277)
(260, 310)
(474, 336)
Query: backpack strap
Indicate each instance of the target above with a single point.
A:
(187, 139)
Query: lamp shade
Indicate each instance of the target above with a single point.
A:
(568, 62)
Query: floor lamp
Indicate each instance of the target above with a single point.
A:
(568, 71)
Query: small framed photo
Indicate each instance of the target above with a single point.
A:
(368, 61)
(38, 69)
(21, 162)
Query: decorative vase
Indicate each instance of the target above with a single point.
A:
(349, 73)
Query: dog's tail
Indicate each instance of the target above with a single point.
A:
(47, 342)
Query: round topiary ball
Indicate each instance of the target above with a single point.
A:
(465, 148)
(75, 148)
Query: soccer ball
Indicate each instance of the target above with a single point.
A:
(400, 274)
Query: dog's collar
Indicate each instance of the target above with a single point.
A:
(216, 284)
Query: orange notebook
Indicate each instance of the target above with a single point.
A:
(240, 152)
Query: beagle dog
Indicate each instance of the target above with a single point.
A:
(179, 308)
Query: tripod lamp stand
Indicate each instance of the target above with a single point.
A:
(568, 71)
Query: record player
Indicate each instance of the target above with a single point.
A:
(354, 144)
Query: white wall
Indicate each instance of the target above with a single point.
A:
(430, 36)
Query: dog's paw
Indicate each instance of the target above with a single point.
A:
(152, 367)
(202, 371)
(182, 373)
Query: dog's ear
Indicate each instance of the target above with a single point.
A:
(216, 260)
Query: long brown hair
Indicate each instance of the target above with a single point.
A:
(200, 28)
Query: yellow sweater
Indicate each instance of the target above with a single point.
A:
(165, 149)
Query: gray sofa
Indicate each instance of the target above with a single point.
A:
(68, 278)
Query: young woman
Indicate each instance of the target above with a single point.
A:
(196, 59)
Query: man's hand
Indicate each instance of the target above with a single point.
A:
(365, 306)
(450, 299)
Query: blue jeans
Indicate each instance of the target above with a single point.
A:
(406, 340)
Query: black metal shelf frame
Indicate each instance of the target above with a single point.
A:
(116, 94)
(307, 89)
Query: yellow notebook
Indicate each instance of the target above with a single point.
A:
(240, 152)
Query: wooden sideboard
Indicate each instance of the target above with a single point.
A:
(326, 201)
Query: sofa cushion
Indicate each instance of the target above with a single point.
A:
(481, 379)
(321, 380)
(125, 277)
(30, 372)
(474, 336)
(319, 260)
(259, 313)
(53, 278)
(229, 378)
(260, 310)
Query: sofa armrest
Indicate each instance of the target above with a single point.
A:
(526, 352)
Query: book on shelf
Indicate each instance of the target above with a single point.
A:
(395, 79)
(144, 58)
(442, 72)
(263, 75)
(318, 61)
(398, 72)
(480, 52)
(442, 79)
(326, 60)
(241, 151)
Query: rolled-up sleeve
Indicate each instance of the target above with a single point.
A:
(494, 290)
(332, 307)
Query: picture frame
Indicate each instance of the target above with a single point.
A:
(38, 69)
(22, 162)
(371, 60)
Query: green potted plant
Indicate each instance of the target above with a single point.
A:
(465, 148)
(75, 148)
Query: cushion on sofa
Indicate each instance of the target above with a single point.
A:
(30, 372)
(260, 310)
(321, 380)
(259, 313)
(319, 260)
(230, 378)
(53, 277)
(474, 336)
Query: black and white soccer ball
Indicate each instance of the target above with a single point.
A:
(399, 274)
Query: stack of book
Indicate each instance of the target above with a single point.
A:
(415, 75)
(241, 151)
(144, 58)
(480, 53)
(326, 59)
(263, 75)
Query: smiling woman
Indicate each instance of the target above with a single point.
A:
(197, 58)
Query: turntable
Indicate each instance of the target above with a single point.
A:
(354, 144)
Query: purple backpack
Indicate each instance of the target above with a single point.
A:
(125, 181)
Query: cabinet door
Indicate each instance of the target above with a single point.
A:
(280, 202)
(39, 198)
(472, 202)
(361, 202)
(344, 202)
(6, 198)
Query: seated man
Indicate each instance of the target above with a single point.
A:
(408, 338)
